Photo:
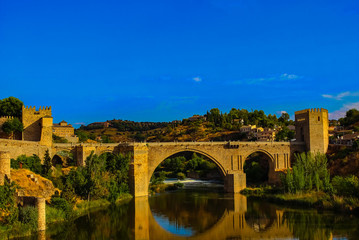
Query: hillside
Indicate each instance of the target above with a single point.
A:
(213, 126)
(343, 161)
(181, 134)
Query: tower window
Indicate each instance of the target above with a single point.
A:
(318, 118)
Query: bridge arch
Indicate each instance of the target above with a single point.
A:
(159, 160)
(63, 157)
(265, 170)
(261, 151)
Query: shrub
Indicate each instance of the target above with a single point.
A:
(33, 163)
(8, 203)
(346, 186)
(63, 205)
(181, 176)
(308, 169)
(28, 216)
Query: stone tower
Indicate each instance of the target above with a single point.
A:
(311, 127)
(37, 124)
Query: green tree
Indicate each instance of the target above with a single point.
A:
(308, 169)
(12, 126)
(351, 116)
(11, 106)
(284, 134)
(8, 206)
(47, 165)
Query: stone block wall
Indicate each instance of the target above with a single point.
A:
(312, 128)
(31, 119)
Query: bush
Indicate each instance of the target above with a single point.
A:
(181, 176)
(307, 171)
(32, 163)
(158, 178)
(346, 186)
(28, 216)
(63, 205)
(8, 203)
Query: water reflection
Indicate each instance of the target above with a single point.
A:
(201, 215)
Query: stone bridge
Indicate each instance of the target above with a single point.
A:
(228, 156)
(311, 136)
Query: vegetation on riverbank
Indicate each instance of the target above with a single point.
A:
(308, 184)
(103, 181)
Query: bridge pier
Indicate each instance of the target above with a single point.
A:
(235, 182)
(138, 176)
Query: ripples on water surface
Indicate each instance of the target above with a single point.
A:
(205, 213)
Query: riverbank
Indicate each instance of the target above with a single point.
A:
(55, 216)
(317, 200)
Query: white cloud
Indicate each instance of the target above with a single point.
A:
(278, 77)
(286, 76)
(342, 111)
(80, 123)
(197, 79)
(340, 96)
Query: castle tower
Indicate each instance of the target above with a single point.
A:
(34, 123)
(311, 127)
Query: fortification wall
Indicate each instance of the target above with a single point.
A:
(31, 119)
(16, 148)
(312, 128)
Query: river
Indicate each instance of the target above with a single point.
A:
(202, 211)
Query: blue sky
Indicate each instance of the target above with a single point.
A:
(166, 60)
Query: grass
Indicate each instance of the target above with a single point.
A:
(318, 200)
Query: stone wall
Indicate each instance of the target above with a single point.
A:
(312, 128)
(31, 119)
(16, 148)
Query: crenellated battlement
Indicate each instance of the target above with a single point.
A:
(6, 117)
(312, 110)
(34, 125)
(33, 109)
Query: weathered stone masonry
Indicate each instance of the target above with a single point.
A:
(229, 156)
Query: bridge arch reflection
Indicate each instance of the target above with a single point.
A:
(232, 224)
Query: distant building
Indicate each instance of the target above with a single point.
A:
(196, 117)
(266, 135)
(65, 130)
(347, 139)
(99, 124)
(247, 129)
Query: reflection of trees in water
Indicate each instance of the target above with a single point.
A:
(309, 225)
(260, 215)
(111, 223)
(314, 226)
(190, 210)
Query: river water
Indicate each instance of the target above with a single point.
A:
(204, 212)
